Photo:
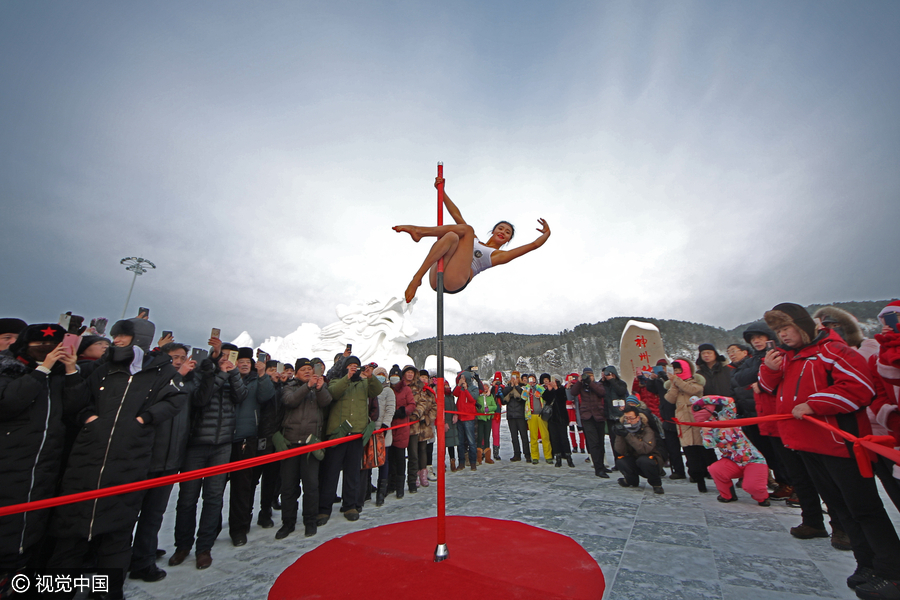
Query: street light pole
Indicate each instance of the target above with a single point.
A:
(139, 266)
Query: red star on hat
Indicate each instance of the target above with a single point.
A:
(49, 332)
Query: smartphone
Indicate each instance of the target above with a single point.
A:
(199, 354)
(168, 333)
(71, 341)
(64, 320)
(233, 356)
(770, 345)
(75, 324)
(144, 311)
(319, 369)
(890, 319)
(279, 368)
(215, 333)
(349, 348)
(670, 370)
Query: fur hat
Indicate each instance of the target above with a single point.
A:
(849, 326)
(122, 328)
(41, 332)
(707, 346)
(245, 353)
(11, 325)
(271, 364)
(787, 313)
(228, 347)
(515, 374)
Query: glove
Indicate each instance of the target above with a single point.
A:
(620, 430)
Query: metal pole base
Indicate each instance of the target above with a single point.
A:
(441, 553)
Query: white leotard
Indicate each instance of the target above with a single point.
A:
(481, 258)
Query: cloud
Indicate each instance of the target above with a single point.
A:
(696, 161)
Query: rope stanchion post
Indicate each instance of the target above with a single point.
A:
(440, 552)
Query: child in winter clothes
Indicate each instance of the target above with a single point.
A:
(739, 458)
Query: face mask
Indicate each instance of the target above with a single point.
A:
(381, 378)
(395, 380)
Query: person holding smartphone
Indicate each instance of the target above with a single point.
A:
(815, 373)
(130, 395)
(39, 389)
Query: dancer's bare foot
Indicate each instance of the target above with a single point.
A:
(411, 289)
(413, 232)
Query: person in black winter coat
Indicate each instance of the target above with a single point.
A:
(39, 388)
(129, 398)
(220, 390)
(271, 415)
(656, 383)
(714, 368)
(515, 417)
(555, 396)
(614, 399)
(169, 446)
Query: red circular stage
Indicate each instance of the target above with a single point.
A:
(490, 558)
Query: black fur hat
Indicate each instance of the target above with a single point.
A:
(122, 328)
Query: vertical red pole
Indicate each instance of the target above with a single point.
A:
(440, 553)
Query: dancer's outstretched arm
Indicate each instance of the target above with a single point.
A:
(501, 257)
(451, 208)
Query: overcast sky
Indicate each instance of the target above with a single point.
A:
(695, 160)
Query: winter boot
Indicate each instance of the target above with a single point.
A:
(487, 456)
(701, 485)
(411, 482)
(430, 474)
(569, 460)
(453, 465)
(558, 460)
(423, 478)
(496, 452)
(479, 455)
(381, 493)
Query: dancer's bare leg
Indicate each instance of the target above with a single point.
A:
(454, 246)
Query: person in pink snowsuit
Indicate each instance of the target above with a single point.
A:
(739, 459)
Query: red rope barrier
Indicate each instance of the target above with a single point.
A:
(879, 444)
(179, 477)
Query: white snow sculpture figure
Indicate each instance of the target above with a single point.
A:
(295, 345)
(451, 368)
(379, 330)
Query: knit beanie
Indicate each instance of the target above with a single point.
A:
(302, 362)
(88, 341)
(395, 371)
(587, 370)
(787, 313)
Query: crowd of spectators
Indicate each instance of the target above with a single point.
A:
(83, 410)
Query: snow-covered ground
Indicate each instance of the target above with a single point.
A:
(682, 544)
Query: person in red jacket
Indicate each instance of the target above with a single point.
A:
(817, 375)
(465, 404)
(406, 406)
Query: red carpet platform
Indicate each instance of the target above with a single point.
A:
(488, 558)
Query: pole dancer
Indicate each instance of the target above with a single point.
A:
(457, 242)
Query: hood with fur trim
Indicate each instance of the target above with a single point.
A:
(849, 326)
